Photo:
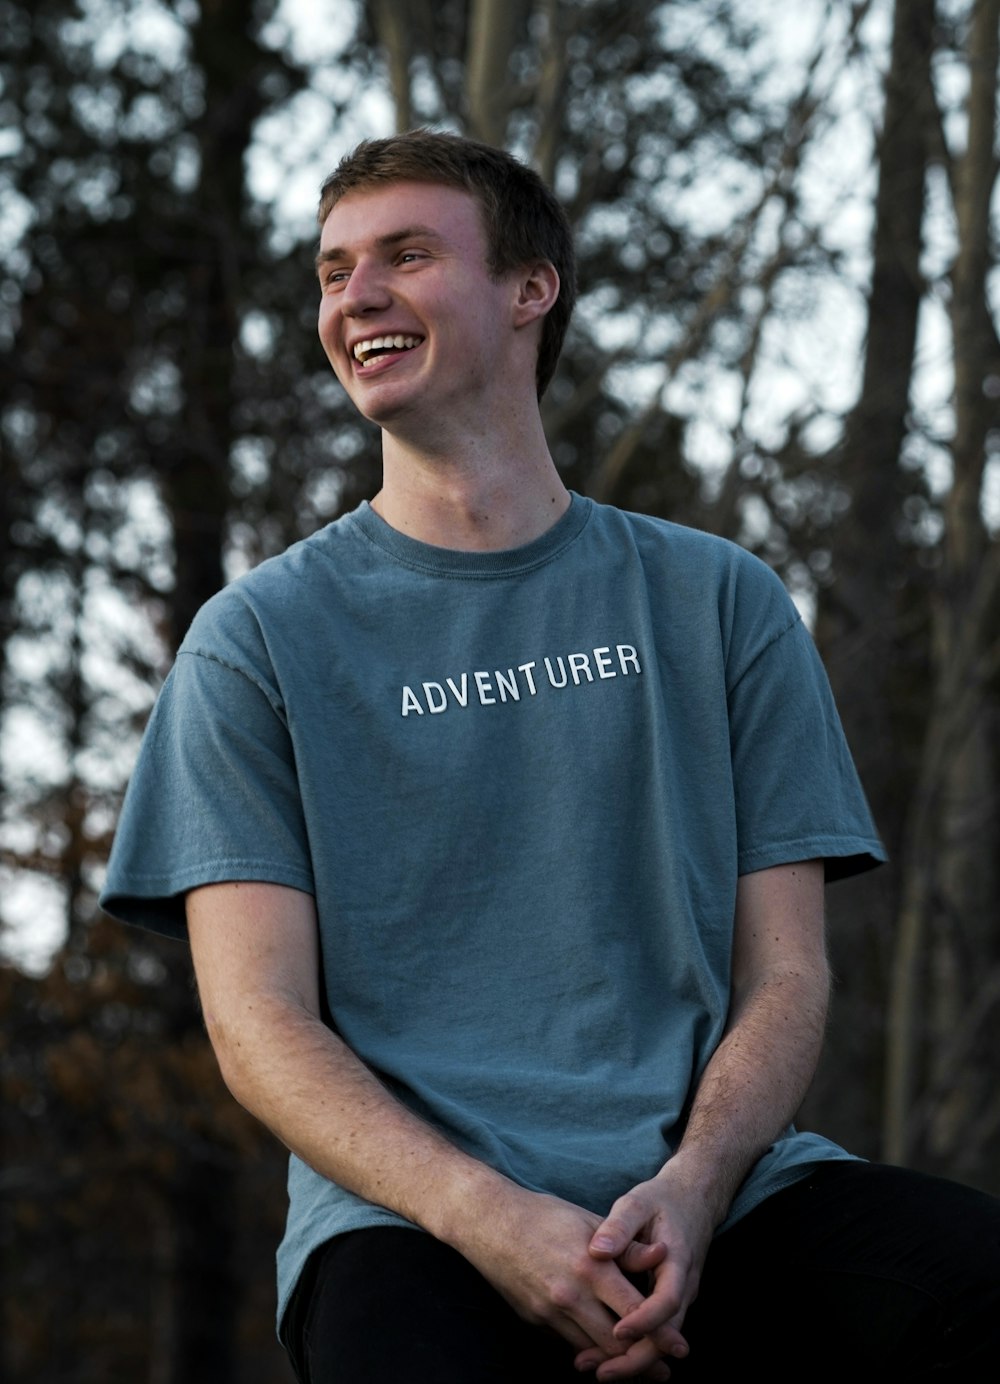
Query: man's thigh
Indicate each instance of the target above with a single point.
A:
(389, 1304)
(859, 1271)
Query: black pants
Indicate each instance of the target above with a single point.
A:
(857, 1272)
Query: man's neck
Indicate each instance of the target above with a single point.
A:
(482, 500)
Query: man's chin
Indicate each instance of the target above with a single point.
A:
(383, 411)
(374, 399)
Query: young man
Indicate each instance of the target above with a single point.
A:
(501, 821)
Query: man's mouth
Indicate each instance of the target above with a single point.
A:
(375, 346)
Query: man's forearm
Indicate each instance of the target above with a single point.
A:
(760, 1072)
(753, 1085)
(256, 954)
(308, 1087)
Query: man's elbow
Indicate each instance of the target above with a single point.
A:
(233, 1050)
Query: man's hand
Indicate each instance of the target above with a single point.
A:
(536, 1251)
(662, 1215)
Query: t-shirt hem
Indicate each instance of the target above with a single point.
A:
(787, 1178)
(378, 1217)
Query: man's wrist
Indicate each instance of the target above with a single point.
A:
(468, 1197)
(704, 1180)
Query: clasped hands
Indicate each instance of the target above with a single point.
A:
(562, 1266)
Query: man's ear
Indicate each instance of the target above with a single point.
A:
(537, 289)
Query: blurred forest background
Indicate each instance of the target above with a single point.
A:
(789, 231)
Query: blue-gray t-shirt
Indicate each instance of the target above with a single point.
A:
(521, 786)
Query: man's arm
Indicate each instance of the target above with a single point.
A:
(749, 1093)
(256, 957)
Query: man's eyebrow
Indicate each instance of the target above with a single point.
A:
(384, 242)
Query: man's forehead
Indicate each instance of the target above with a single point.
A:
(374, 212)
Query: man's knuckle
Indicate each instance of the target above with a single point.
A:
(538, 1311)
(564, 1294)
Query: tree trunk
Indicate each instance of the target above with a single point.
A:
(492, 26)
(951, 920)
(858, 620)
(859, 617)
(392, 26)
(197, 476)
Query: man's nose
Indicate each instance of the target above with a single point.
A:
(367, 290)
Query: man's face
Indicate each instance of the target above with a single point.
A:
(410, 318)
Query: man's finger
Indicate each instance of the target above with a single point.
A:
(646, 1364)
(659, 1316)
(640, 1258)
(643, 1360)
(613, 1236)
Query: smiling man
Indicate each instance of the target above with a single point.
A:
(499, 822)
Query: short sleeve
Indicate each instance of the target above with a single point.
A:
(214, 797)
(797, 792)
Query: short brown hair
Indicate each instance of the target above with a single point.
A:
(522, 218)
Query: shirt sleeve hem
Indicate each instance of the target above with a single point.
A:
(156, 901)
(843, 855)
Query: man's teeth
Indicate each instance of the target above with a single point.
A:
(364, 349)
